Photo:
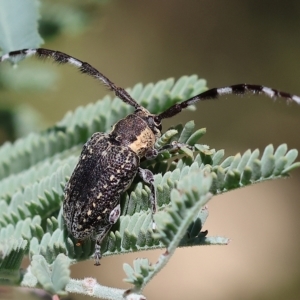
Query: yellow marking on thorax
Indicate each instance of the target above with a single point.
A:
(144, 141)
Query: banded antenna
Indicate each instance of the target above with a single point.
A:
(63, 58)
(238, 89)
(85, 68)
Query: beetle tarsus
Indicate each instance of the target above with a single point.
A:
(97, 254)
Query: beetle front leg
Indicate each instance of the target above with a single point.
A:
(152, 153)
(148, 178)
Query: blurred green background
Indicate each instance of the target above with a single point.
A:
(225, 42)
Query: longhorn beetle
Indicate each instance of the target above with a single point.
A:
(109, 161)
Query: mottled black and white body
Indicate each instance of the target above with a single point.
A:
(107, 165)
(109, 162)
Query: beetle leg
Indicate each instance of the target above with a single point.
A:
(148, 178)
(97, 254)
(152, 153)
(101, 233)
(173, 147)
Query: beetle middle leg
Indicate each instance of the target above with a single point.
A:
(148, 178)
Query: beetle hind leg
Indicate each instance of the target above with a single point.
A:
(102, 231)
(99, 237)
(148, 178)
(97, 254)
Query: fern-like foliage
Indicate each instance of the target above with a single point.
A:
(75, 128)
(34, 170)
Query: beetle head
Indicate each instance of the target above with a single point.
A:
(152, 121)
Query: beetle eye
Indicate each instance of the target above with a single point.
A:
(154, 122)
(157, 123)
